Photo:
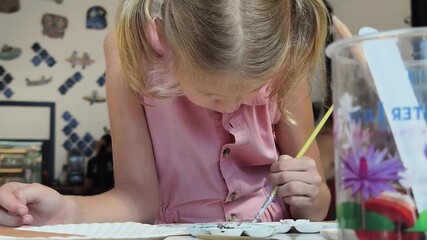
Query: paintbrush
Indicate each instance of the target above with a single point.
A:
(300, 154)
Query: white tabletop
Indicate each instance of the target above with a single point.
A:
(132, 230)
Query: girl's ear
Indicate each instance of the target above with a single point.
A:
(157, 39)
(159, 26)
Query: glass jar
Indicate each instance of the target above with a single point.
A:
(380, 134)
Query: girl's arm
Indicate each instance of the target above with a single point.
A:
(302, 182)
(135, 195)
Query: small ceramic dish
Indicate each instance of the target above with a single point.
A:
(226, 231)
(200, 230)
(280, 227)
(259, 231)
(304, 225)
(302, 221)
(308, 227)
(288, 221)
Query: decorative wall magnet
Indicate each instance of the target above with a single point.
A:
(8, 93)
(83, 61)
(42, 56)
(86, 144)
(37, 82)
(101, 80)
(5, 80)
(94, 98)
(57, 1)
(9, 6)
(54, 25)
(69, 83)
(73, 59)
(9, 53)
(96, 18)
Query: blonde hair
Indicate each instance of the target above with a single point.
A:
(259, 40)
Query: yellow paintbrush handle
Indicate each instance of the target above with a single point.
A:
(315, 132)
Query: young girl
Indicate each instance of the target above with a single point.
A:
(208, 103)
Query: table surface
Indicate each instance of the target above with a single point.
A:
(29, 233)
(293, 234)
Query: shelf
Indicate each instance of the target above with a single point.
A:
(13, 150)
(21, 161)
(11, 170)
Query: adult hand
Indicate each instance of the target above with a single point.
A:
(30, 204)
(298, 179)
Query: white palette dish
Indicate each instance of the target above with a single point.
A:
(280, 227)
(259, 231)
(304, 225)
(200, 230)
(235, 230)
(125, 230)
(309, 227)
(232, 232)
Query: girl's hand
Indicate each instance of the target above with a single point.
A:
(298, 179)
(30, 204)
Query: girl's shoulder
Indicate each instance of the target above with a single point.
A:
(110, 41)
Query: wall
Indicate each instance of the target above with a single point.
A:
(379, 14)
(22, 29)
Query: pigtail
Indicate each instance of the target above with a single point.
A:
(314, 32)
(134, 27)
(305, 38)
